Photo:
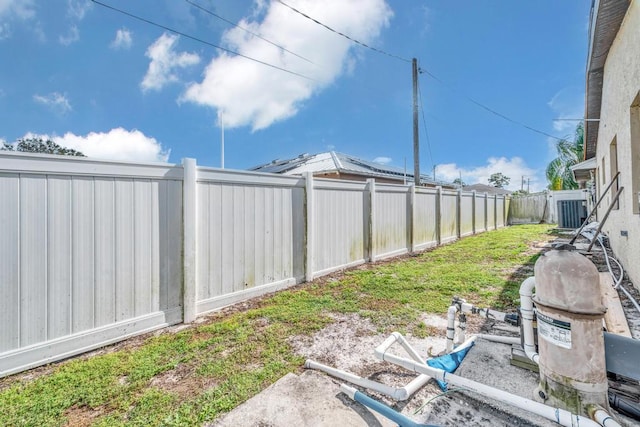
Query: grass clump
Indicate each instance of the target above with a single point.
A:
(192, 376)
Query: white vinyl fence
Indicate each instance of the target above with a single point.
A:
(93, 252)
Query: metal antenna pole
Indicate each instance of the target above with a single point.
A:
(222, 140)
(416, 138)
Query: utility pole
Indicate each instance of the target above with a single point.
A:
(222, 140)
(416, 138)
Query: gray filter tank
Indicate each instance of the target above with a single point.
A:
(573, 372)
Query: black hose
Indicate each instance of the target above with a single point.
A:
(624, 406)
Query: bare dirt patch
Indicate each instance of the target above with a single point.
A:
(182, 381)
(81, 416)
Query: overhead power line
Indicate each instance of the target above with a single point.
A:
(342, 34)
(139, 18)
(246, 30)
(489, 109)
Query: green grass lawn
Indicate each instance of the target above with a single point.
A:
(192, 376)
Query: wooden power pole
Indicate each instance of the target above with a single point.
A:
(416, 137)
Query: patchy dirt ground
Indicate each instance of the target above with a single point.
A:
(348, 345)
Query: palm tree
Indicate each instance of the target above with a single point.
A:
(559, 172)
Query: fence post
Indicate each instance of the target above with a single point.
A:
(190, 233)
(412, 218)
(473, 210)
(309, 229)
(371, 189)
(459, 213)
(439, 215)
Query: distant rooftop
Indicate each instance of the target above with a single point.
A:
(332, 161)
(483, 188)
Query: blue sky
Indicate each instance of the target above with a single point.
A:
(115, 87)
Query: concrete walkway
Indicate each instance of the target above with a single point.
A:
(309, 399)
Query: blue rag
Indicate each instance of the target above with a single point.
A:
(448, 362)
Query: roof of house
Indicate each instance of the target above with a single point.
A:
(606, 18)
(483, 188)
(332, 161)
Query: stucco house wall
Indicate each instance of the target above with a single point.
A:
(618, 145)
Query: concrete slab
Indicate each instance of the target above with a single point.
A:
(309, 399)
(488, 363)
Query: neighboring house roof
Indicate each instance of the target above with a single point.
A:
(483, 188)
(582, 171)
(606, 18)
(332, 161)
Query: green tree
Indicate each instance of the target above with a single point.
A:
(559, 173)
(38, 145)
(459, 182)
(498, 180)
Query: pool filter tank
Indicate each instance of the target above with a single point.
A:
(570, 314)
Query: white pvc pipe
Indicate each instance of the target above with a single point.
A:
(500, 339)
(526, 309)
(561, 416)
(604, 419)
(451, 327)
(397, 393)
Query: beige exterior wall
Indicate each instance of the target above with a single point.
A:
(619, 92)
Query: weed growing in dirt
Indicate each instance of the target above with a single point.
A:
(192, 376)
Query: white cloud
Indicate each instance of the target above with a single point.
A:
(514, 168)
(117, 144)
(12, 10)
(78, 8)
(22, 9)
(71, 37)
(123, 39)
(55, 100)
(252, 94)
(383, 160)
(164, 61)
(567, 103)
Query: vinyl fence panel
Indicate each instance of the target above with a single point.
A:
(392, 220)
(448, 213)
(501, 211)
(425, 219)
(480, 212)
(250, 236)
(491, 212)
(466, 214)
(341, 225)
(80, 257)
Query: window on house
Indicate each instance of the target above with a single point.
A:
(603, 175)
(635, 154)
(613, 169)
